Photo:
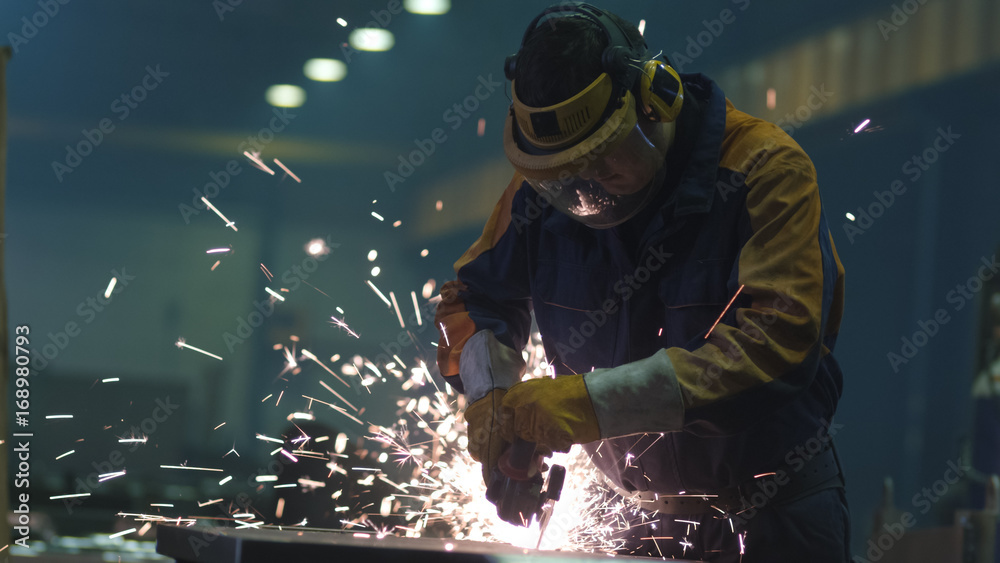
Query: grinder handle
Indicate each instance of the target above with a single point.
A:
(519, 462)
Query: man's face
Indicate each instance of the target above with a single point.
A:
(631, 165)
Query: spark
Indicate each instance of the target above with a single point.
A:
(145, 528)
(395, 306)
(189, 467)
(202, 504)
(219, 213)
(109, 380)
(161, 504)
(216, 265)
(862, 125)
(377, 216)
(267, 478)
(219, 250)
(53, 416)
(66, 454)
(58, 497)
(311, 356)
(219, 426)
(269, 439)
(287, 171)
(316, 288)
(379, 293)
(226, 480)
(121, 533)
(133, 440)
(181, 344)
(267, 272)
(336, 408)
(481, 127)
(424, 252)
(280, 509)
(764, 475)
(439, 205)
(341, 324)
(444, 333)
(111, 287)
(258, 162)
(642, 27)
(416, 307)
(850, 217)
(317, 247)
(342, 22)
(275, 295)
(724, 311)
(339, 396)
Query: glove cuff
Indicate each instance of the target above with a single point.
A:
(650, 383)
(487, 364)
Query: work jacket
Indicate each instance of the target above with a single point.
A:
(730, 280)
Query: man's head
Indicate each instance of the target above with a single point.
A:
(591, 118)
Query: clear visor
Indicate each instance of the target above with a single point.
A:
(611, 183)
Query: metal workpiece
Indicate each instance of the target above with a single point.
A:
(208, 544)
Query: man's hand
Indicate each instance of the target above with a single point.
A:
(553, 413)
(483, 423)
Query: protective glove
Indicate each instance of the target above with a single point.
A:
(483, 424)
(553, 413)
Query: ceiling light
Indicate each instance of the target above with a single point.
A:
(285, 96)
(427, 7)
(325, 70)
(371, 39)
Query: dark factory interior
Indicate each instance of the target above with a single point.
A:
(225, 225)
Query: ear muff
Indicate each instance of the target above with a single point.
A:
(661, 93)
(510, 66)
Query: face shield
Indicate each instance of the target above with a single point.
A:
(588, 156)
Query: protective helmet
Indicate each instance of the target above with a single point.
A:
(597, 156)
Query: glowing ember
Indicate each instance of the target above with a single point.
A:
(219, 213)
(287, 171)
(181, 344)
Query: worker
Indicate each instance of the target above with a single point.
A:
(688, 294)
